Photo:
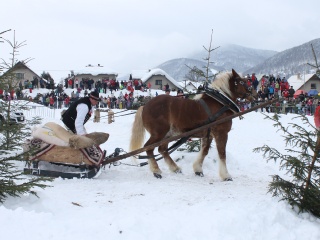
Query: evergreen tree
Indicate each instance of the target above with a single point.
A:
(191, 146)
(13, 135)
(303, 166)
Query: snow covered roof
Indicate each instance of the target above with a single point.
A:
(297, 81)
(189, 83)
(214, 71)
(95, 70)
(139, 74)
(158, 71)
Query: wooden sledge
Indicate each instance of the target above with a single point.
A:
(41, 148)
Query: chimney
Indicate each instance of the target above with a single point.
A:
(299, 76)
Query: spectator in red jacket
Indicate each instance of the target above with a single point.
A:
(317, 117)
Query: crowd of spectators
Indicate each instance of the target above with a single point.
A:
(104, 85)
(268, 88)
(57, 98)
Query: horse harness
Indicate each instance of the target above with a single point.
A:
(227, 103)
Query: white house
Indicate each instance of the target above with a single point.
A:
(305, 82)
(157, 79)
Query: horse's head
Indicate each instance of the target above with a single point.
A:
(241, 88)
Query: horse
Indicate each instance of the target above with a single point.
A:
(165, 116)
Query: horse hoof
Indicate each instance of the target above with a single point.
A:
(200, 174)
(157, 175)
(228, 179)
(178, 171)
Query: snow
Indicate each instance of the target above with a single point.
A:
(127, 202)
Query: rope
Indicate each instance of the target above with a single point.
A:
(118, 163)
(118, 113)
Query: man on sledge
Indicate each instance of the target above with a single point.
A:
(79, 113)
(56, 145)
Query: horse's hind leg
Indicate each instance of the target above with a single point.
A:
(171, 164)
(197, 165)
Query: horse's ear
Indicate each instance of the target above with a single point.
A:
(234, 73)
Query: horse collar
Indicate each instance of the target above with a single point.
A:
(222, 98)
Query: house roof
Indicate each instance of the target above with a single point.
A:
(297, 81)
(139, 74)
(158, 71)
(187, 83)
(20, 65)
(95, 71)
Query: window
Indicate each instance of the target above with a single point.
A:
(20, 76)
(159, 82)
(313, 86)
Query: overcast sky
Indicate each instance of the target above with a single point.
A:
(126, 35)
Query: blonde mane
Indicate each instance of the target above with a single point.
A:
(221, 83)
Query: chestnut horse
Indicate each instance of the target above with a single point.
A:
(165, 116)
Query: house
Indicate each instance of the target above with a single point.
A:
(157, 79)
(305, 82)
(22, 73)
(189, 86)
(96, 73)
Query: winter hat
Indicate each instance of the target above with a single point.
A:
(95, 96)
(180, 91)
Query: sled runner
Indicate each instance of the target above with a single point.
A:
(76, 172)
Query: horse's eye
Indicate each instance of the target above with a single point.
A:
(250, 89)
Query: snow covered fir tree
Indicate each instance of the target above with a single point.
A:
(302, 188)
(13, 134)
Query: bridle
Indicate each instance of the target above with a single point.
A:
(245, 85)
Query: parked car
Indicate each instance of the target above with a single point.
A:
(16, 115)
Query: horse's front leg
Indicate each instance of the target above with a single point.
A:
(153, 165)
(197, 165)
(221, 142)
(171, 164)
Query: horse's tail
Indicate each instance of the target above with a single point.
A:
(138, 131)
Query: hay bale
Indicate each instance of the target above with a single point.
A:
(65, 155)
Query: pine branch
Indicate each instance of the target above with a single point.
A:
(12, 137)
(303, 189)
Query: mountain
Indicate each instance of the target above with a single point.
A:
(289, 62)
(223, 58)
(247, 60)
(237, 57)
(178, 68)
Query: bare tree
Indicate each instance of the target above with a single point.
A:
(206, 74)
(316, 60)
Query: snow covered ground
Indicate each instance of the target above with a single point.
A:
(127, 202)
